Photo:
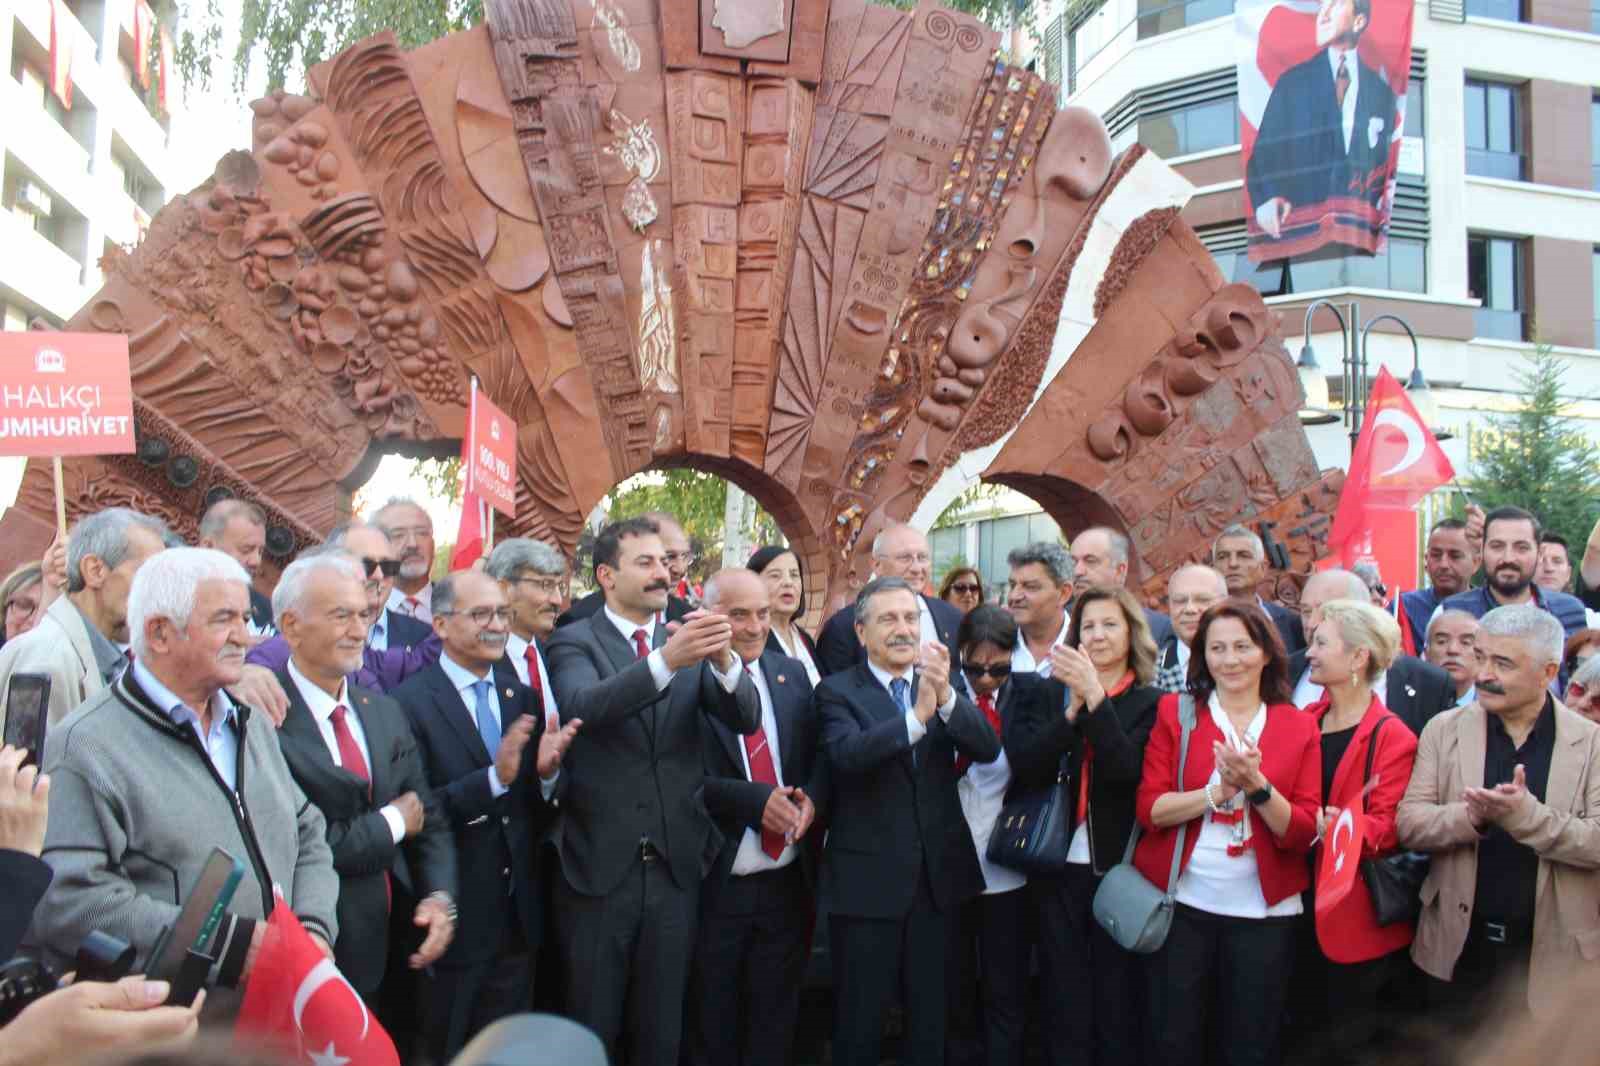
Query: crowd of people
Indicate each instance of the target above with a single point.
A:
(480, 796)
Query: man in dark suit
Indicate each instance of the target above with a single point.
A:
(756, 905)
(1100, 557)
(239, 528)
(899, 858)
(1412, 689)
(678, 556)
(1240, 557)
(634, 839)
(352, 753)
(473, 720)
(898, 551)
(1326, 129)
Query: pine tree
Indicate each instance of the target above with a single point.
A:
(1539, 459)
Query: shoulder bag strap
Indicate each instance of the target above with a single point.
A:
(1186, 719)
(1372, 746)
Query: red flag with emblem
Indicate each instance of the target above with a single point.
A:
(1396, 462)
(1341, 857)
(297, 1002)
(470, 530)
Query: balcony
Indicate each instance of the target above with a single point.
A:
(1508, 166)
(39, 270)
(1499, 325)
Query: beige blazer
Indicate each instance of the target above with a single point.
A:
(1564, 831)
(59, 648)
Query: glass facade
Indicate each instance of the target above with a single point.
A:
(1214, 124)
(1494, 130)
(1494, 275)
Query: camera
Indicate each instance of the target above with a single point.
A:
(23, 980)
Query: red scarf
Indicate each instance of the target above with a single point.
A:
(992, 713)
(1088, 750)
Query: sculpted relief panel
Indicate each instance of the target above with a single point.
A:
(847, 256)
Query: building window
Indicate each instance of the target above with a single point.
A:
(1594, 142)
(1494, 130)
(1494, 276)
(1508, 10)
(1163, 16)
(1198, 128)
(1403, 267)
(996, 539)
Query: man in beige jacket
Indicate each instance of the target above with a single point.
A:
(78, 643)
(1505, 794)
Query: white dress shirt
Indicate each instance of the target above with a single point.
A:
(463, 679)
(378, 632)
(750, 859)
(982, 792)
(915, 730)
(423, 612)
(221, 742)
(1352, 67)
(517, 648)
(321, 706)
(930, 632)
(1307, 692)
(1022, 660)
(659, 671)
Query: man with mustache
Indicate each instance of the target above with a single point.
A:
(410, 531)
(533, 576)
(474, 720)
(900, 551)
(635, 840)
(154, 771)
(1505, 795)
(676, 554)
(1510, 555)
(1452, 647)
(353, 754)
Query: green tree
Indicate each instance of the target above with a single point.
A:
(1538, 458)
(698, 499)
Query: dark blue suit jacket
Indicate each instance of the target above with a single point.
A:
(838, 647)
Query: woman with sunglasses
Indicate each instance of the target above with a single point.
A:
(779, 567)
(1091, 726)
(962, 589)
(990, 942)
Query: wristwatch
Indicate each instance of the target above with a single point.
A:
(1260, 795)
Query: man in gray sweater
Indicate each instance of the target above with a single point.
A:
(154, 771)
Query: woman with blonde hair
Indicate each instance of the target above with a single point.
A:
(1343, 967)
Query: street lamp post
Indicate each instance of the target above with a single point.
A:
(1353, 369)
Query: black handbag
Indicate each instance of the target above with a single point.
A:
(1031, 833)
(1395, 881)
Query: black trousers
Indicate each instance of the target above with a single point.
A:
(626, 962)
(1487, 992)
(749, 959)
(988, 977)
(868, 955)
(1335, 1009)
(1093, 990)
(1228, 976)
(458, 1001)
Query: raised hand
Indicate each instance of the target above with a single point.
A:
(24, 803)
(554, 742)
(936, 671)
(702, 635)
(508, 759)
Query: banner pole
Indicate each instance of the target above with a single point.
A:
(61, 499)
(488, 538)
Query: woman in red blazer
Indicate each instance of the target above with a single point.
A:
(1350, 958)
(1247, 796)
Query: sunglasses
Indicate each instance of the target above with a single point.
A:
(388, 567)
(965, 590)
(999, 671)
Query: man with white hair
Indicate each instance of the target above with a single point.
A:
(154, 771)
(1452, 647)
(900, 551)
(78, 643)
(533, 576)
(1414, 690)
(1191, 591)
(1100, 558)
(1240, 557)
(352, 752)
(1505, 795)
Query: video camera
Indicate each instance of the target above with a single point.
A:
(23, 980)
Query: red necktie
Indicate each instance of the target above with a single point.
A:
(350, 759)
(1341, 80)
(641, 646)
(986, 705)
(412, 603)
(531, 654)
(759, 753)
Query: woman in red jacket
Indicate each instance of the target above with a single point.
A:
(1340, 974)
(1247, 795)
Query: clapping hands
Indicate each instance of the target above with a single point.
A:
(1073, 668)
(1492, 806)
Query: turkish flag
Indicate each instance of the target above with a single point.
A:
(469, 532)
(1396, 461)
(297, 1002)
(61, 52)
(1341, 857)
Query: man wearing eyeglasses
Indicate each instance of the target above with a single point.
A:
(897, 551)
(533, 577)
(493, 760)
(410, 532)
(676, 555)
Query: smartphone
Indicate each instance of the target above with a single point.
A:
(28, 714)
(203, 907)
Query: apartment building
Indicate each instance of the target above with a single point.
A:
(74, 182)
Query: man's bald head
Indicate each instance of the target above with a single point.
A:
(1327, 585)
(740, 594)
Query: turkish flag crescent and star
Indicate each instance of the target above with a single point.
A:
(298, 1002)
(1341, 857)
(1397, 461)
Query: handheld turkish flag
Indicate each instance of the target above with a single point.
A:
(1396, 461)
(298, 1002)
(469, 531)
(1341, 857)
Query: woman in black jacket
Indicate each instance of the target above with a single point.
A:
(1092, 723)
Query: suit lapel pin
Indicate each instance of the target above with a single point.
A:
(1411, 691)
(780, 679)
(509, 694)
